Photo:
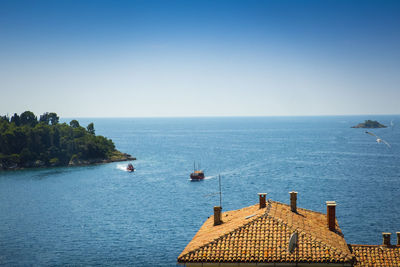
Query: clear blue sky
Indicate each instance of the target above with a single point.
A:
(199, 58)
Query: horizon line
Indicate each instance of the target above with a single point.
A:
(222, 116)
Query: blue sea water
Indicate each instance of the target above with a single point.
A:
(103, 215)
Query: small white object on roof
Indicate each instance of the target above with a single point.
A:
(292, 242)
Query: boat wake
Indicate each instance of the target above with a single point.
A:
(122, 167)
(205, 178)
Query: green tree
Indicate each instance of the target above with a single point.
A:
(53, 118)
(16, 119)
(44, 118)
(4, 119)
(74, 124)
(49, 118)
(28, 118)
(90, 128)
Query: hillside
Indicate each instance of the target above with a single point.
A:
(28, 142)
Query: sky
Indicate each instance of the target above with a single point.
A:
(199, 58)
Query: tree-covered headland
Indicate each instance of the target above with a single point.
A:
(27, 141)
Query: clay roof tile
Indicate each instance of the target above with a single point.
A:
(265, 237)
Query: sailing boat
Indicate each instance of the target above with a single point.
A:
(196, 174)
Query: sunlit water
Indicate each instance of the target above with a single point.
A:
(103, 215)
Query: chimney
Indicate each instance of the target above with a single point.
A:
(331, 214)
(293, 201)
(386, 239)
(262, 197)
(398, 238)
(217, 215)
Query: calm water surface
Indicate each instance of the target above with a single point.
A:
(103, 215)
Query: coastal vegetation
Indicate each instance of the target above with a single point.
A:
(27, 142)
(369, 124)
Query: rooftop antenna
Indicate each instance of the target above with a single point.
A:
(220, 191)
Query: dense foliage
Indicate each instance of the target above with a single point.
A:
(26, 141)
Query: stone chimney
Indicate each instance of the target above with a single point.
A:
(331, 214)
(217, 215)
(386, 239)
(262, 197)
(293, 201)
(398, 238)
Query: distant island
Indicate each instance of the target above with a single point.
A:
(369, 124)
(26, 142)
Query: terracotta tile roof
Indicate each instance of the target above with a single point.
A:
(369, 255)
(264, 237)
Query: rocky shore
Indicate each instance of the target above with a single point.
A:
(115, 157)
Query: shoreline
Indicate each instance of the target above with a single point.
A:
(116, 157)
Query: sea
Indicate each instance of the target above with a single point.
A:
(105, 216)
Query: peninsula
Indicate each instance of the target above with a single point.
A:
(369, 124)
(26, 142)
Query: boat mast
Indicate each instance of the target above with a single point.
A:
(194, 166)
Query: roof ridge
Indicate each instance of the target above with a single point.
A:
(313, 211)
(317, 239)
(338, 230)
(228, 233)
(366, 245)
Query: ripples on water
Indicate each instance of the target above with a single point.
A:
(103, 215)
